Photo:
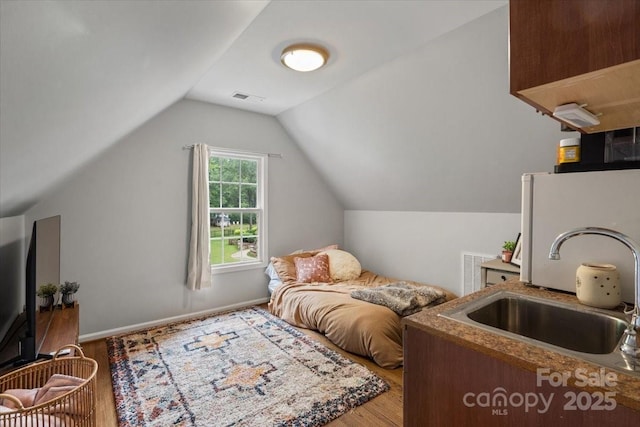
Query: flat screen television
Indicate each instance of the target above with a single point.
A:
(22, 339)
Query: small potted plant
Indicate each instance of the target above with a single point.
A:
(507, 250)
(68, 291)
(46, 294)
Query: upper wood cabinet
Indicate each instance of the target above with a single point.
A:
(582, 51)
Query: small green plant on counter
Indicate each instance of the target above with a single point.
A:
(509, 246)
(68, 291)
(47, 290)
(69, 288)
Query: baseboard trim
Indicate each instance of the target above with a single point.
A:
(125, 329)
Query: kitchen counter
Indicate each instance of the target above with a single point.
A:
(517, 353)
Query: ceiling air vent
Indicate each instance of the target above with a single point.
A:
(246, 97)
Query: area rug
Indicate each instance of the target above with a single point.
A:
(242, 368)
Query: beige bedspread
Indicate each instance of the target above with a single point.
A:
(357, 326)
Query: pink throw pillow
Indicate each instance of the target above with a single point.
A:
(313, 269)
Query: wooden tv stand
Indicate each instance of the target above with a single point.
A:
(57, 328)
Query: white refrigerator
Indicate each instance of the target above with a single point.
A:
(554, 203)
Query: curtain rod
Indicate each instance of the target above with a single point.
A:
(229, 150)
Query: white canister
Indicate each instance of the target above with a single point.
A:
(598, 285)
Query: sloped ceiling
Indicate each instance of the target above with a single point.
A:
(434, 130)
(76, 76)
(359, 35)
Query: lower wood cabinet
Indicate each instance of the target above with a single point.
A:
(58, 328)
(446, 384)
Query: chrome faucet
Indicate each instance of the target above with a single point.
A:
(630, 343)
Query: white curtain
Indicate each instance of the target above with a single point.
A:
(199, 276)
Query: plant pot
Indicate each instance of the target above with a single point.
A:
(68, 300)
(46, 303)
(506, 256)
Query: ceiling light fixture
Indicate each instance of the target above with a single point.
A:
(304, 57)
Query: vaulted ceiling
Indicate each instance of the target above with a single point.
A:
(76, 76)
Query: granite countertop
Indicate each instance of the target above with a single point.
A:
(515, 352)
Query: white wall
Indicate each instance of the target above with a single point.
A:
(125, 218)
(427, 153)
(12, 268)
(425, 246)
(433, 130)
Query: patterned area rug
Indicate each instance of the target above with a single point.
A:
(243, 368)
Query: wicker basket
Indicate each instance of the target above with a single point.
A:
(75, 408)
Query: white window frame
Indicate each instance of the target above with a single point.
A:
(261, 209)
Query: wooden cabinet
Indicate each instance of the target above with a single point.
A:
(446, 384)
(496, 271)
(58, 328)
(582, 51)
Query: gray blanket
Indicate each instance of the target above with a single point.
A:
(401, 297)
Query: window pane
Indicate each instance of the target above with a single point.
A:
(230, 195)
(234, 185)
(214, 169)
(248, 232)
(222, 251)
(250, 223)
(230, 170)
(249, 171)
(250, 249)
(214, 195)
(219, 220)
(233, 249)
(249, 196)
(215, 251)
(223, 243)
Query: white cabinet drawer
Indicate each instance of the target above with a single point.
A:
(495, 276)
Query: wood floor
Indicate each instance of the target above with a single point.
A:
(384, 410)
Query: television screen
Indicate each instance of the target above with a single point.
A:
(12, 289)
(20, 342)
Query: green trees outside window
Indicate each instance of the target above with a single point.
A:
(235, 208)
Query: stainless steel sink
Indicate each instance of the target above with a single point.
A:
(580, 331)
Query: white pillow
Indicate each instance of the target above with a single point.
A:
(342, 265)
(271, 272)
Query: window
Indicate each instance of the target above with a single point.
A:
(237, 209)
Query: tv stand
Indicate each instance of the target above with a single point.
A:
(54, 329)
(59, 328)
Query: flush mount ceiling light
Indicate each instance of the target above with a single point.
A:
(304, 57)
